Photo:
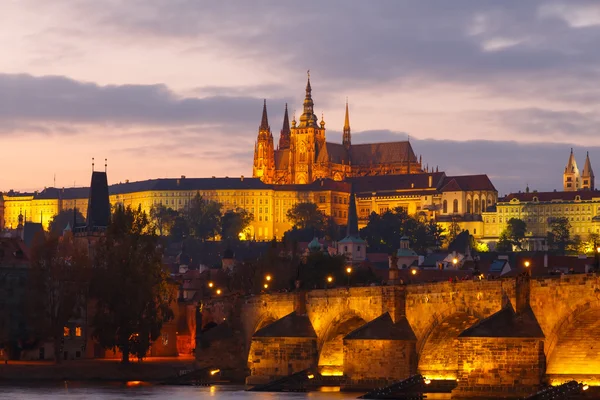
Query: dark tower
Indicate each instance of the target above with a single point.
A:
(284, 135)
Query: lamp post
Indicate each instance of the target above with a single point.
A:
(329, 280)
(527, 264)
(218, 292)
(348, 271)
(454, 261)
(268, 278)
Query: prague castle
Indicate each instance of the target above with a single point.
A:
(307, 168)
(303, 154)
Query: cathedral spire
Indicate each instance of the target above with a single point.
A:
(264, 124)
(347, 137)
(284, 135)
(571, 164)
(587, 176)
(352, 227)
(308, 117)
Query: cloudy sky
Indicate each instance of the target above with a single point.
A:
(164, 88)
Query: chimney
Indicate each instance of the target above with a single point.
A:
(242, 178)
(430, 180)
(182, 176)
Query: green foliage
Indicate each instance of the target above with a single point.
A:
(58, 284)
(453, 231)
(234, 223)
(203, 218)
(559, 235)
(513, 235)
(305, 216)
(59, 222)
(383, 232)
(130, 286)
(163, 218)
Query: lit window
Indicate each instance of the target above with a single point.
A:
(66, 331)
(78, 331)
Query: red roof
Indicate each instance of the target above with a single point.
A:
(550, 196)
(467, 182)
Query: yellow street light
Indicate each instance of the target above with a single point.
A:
(349, 270)
(329, 279)
(210, 284)
(527, 264)
(413, 271)
(218, 291)
(266, 285)
(268, 277)
(455, 261)
(598, 249)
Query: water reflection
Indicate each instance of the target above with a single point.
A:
(146, 391)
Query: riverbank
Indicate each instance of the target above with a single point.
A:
(150, 370)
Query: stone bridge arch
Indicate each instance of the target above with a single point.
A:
(330, 345)
(573, 349)
(437, 347)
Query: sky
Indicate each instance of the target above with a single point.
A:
(163, 88)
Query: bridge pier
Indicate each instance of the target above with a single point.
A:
(503, 355)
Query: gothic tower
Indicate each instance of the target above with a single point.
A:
(306, 140)
(587, 176)
(346, 138)
(264, 152)
(284, 135)
(571, 178)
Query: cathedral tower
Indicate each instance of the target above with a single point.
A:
(571, 178)
(284, 135)
(306, 140)
(264, 152)
(346, 138)
(587, 176)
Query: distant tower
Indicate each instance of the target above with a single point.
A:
(347, 137)
(587, 176)
(571, 178)
(352, 246)
(264, 153)
(284, 135)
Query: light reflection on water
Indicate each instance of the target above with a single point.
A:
(80, 391)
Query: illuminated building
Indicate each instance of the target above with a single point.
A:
(303, 154)
(430, 195)
(579, 203)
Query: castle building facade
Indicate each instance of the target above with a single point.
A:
(303, 154)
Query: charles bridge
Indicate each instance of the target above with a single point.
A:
(505, 335)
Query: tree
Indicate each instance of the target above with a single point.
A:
(130, 286)
(59, 222)
(306, 216)
(203, 218)
(514, 233)
(453, 231)
(163, 218)
(559, 234)
(504, 243)
(235, 223)
(59, 282)
(180, 229)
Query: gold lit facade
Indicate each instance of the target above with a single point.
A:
(303, 154)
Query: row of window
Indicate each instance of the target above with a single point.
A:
(68, 332)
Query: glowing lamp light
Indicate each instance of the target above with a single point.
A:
(310, 376)
(218, 291)
(215, 371)
(427, 381)
(598, 249)
(268, 277)
(455, 261)
(329, 279)
(349, 270)
(413, 271)
(210, 284)
(266, 286)
(585, 387)
(527, 264)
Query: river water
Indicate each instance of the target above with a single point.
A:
(79, 391)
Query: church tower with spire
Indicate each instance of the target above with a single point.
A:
(587, 176)
(264, 152)
(571, 178)
(346, 137)
(306, 140)
(284, 135)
